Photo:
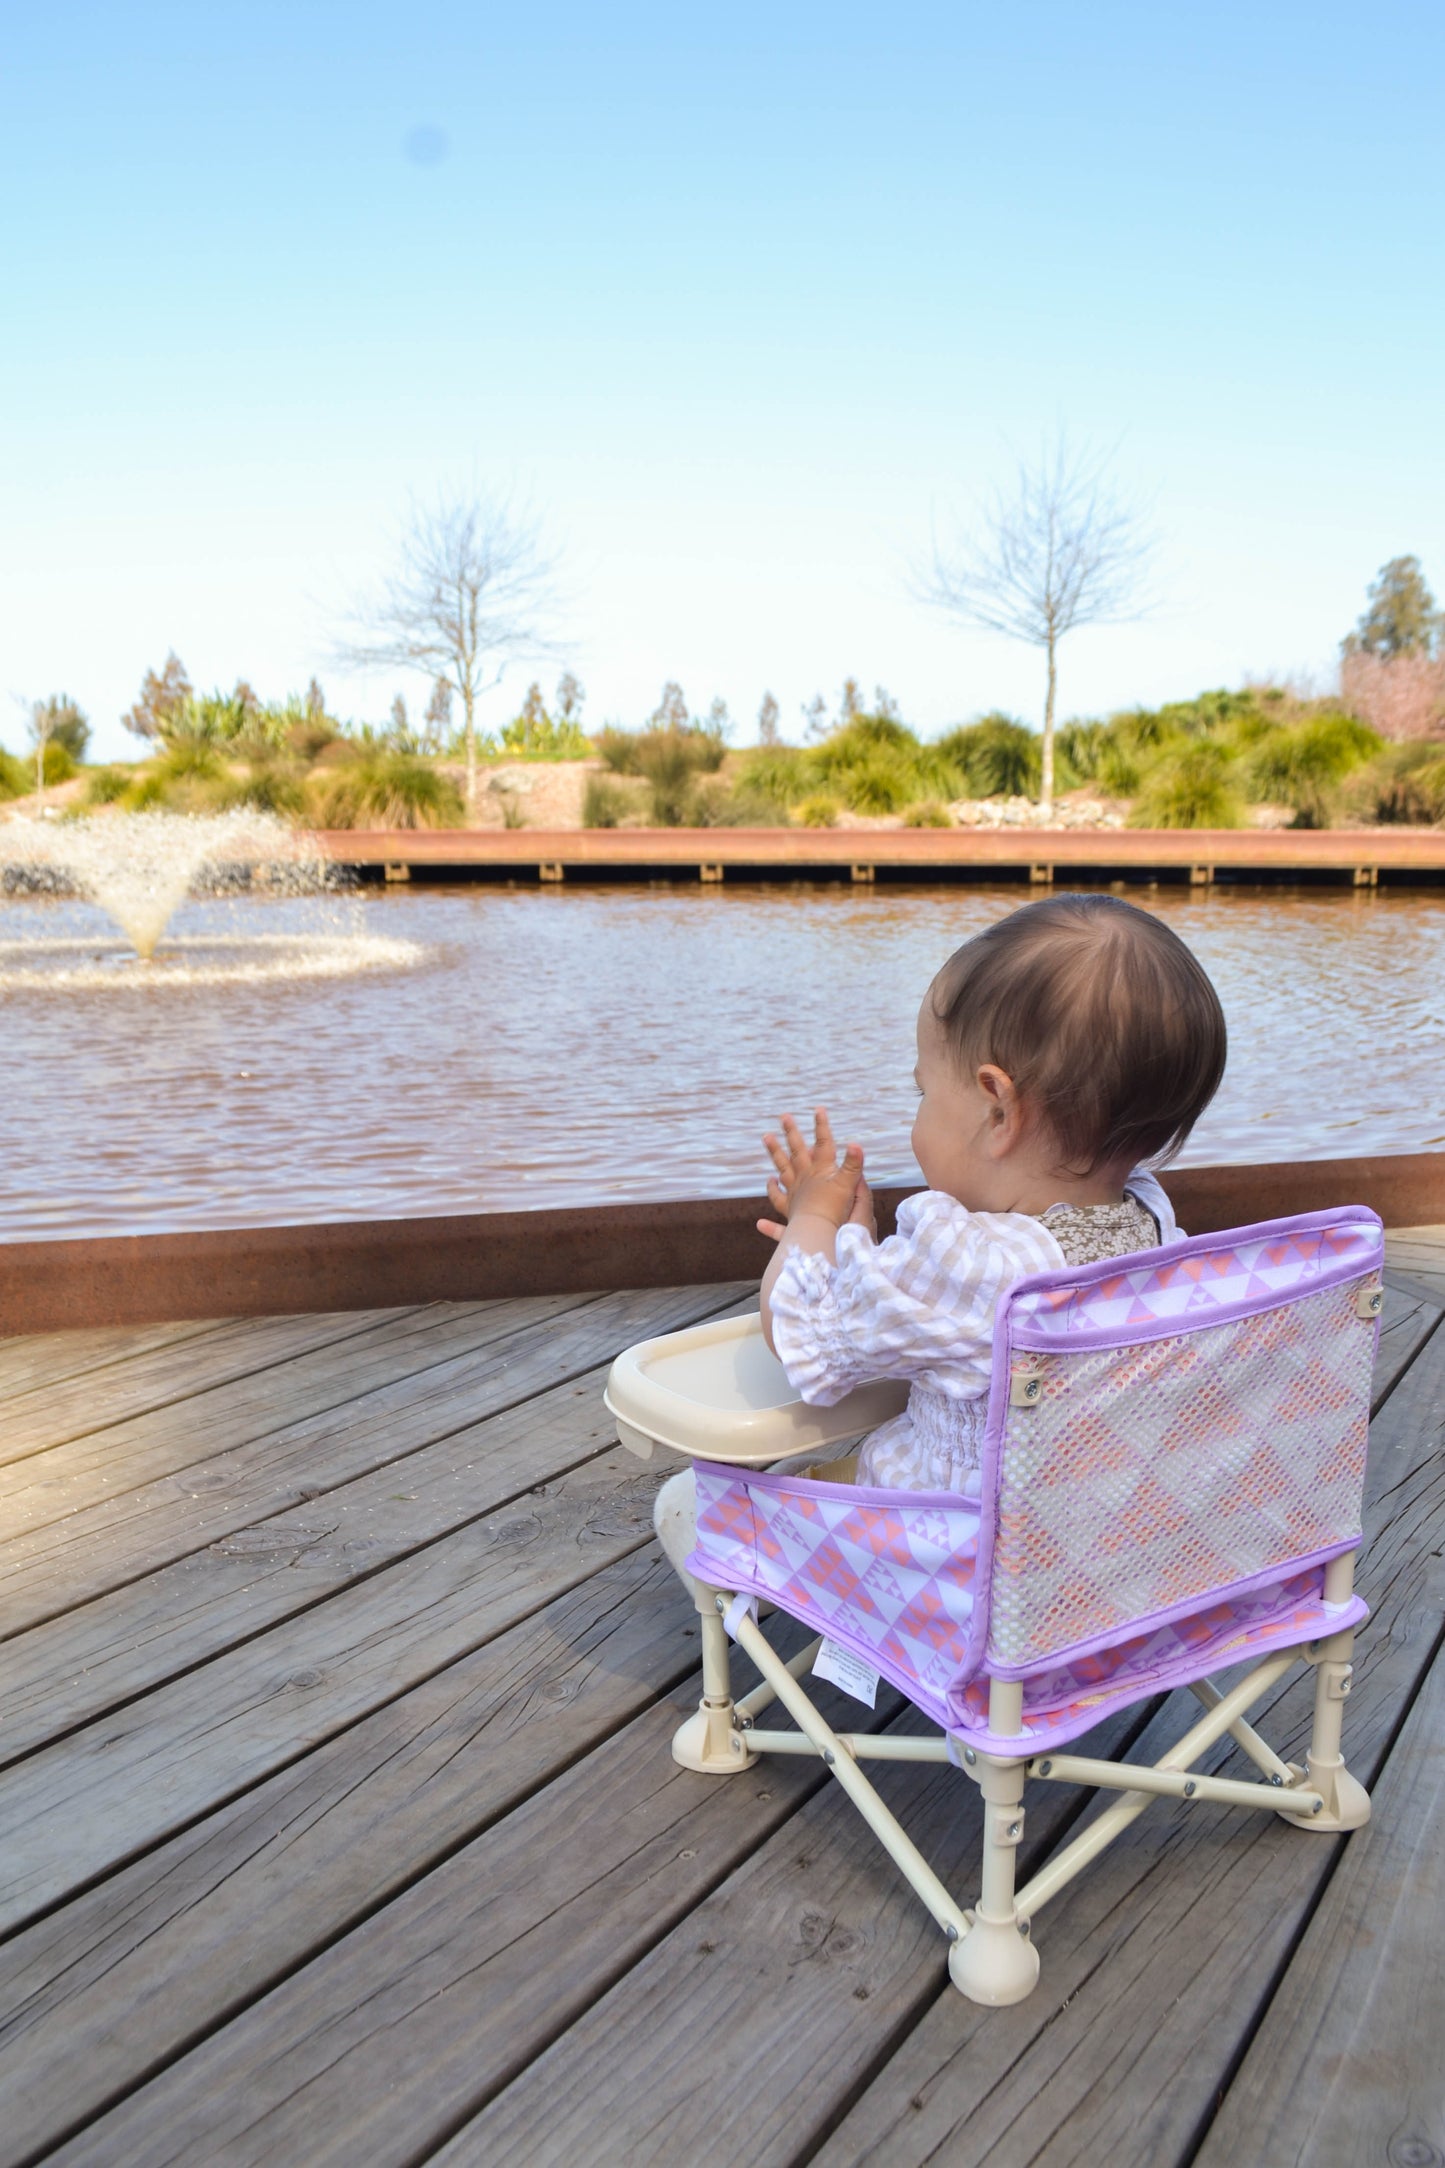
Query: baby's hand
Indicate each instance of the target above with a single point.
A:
(810, 1179)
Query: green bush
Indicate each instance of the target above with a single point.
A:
(387, 789)
(820, 811)
(273, 786)
(544, 737)
(1303, 764)
(774, 776)
(14, 781)
(103, 786)
(928, 814)
(605, 804)
(669, 759)
(996, 757)
(1191, 787)
(1404, 783)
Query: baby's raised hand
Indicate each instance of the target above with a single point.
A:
(810, 1179)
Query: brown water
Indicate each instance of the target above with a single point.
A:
(591, 1044)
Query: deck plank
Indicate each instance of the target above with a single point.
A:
(48, 1359)
(1415, 1260)
(70, 1670)
(128, 1975)
(372, 2050)
(147, 1378)
(249, 1478)
(203, 1417)
(1346, 2070)
(84, 1805)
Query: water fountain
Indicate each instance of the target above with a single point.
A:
(139, 868)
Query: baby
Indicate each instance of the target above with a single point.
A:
(1057, 1051)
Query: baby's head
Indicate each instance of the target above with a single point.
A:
(1063, 1046)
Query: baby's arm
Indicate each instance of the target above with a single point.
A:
(815, 1195)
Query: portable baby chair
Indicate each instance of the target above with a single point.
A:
(1172, 1480)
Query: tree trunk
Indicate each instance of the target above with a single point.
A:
(469, 704)
(1046, 781)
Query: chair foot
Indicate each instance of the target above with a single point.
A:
(994, 1963)
(711, 1743)
(1346, 1802)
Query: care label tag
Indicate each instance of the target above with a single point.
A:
(840, 1667)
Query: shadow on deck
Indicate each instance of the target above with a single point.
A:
(337, 1820)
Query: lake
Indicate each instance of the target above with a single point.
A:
(592, 1044)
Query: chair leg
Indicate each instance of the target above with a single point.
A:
(995, 1963)
(1346, 1802)
(710, 1741)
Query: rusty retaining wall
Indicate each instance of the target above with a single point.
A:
(373, 1264)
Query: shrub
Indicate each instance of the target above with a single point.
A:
(669, 759)
(928, 814)
(774, 776)
(535, 735)
(390, 790)
(274, 786)
(819, 811)
(1302, 764)
(1192, 787)
(103, 786)
(996, 758)
(605, 804)
(58, 763)
(875, 764)
(14, 783)
(1404, 783)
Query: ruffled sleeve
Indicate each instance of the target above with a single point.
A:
(917, 1306)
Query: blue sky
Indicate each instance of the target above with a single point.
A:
(741, 301)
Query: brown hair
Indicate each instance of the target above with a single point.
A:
(1107, 1024)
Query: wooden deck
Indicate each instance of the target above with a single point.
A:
(337, 1822)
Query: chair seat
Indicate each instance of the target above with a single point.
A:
(890, 1574)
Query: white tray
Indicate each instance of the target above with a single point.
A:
(716, 1392)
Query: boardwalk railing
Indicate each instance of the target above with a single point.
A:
(688, 1242)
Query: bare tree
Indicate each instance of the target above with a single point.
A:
(473, 593)
(1057, 550)
(768, 731)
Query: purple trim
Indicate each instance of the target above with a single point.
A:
(1039, 1341)
(1168, 1253)
(871, 1494)
(1148, 1622)
(1164, 1679)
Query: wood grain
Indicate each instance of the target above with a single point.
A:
(131, 1973)
(73, 1668)
(248, 1477)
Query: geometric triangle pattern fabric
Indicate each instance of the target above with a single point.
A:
(890, 1573)
(1147, 1475)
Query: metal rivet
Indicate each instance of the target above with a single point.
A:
(969, 1756)
(1318, 1807)
(1014, 1828)
(1277, 1780)
(1190, 1789)
(828, 1756)
(951, 1931)
(1045, 1767)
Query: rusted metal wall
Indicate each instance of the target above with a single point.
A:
(372, 1264)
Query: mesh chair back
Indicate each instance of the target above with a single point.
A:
(1175, 1431)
